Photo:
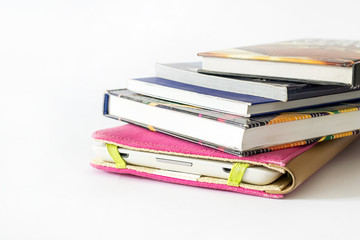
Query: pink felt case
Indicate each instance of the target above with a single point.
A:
(134, 137)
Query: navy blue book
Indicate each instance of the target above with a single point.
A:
(274, 89)
(225, 101)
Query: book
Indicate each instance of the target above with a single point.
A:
(227, 102)
(231, 133)
(187, 73)
(310, 60)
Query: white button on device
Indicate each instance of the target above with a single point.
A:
(175, 162)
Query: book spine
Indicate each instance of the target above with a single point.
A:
(106, 104)
(356, 76)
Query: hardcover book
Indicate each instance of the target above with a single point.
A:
(231, 133)
(316, 60)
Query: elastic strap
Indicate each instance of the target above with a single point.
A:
(236, 174)
(115, 155)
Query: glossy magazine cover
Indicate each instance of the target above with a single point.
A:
(308, 51)
(242, 122)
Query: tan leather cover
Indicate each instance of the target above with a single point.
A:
(306, 164)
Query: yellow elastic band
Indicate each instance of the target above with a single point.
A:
(236, 174)
(115, 155)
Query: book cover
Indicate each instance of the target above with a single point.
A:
(307, 51)
(206, 91)
(178, 74)
(295, 90)
(242, 122)
(319, 61)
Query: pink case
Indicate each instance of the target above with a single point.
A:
(134, 137)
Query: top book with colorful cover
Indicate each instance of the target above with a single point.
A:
(309, 60)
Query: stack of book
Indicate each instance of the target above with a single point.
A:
(250, 100)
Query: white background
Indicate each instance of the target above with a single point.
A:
(56, 60)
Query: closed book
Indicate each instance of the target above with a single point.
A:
(231, 133)
(311, 60)
(228, 102)
(188, 73)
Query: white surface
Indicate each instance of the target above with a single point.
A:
(57, 58)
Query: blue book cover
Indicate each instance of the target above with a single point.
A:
(207, 91)
(228, 102)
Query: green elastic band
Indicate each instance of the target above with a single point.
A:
(115, 155)
(237, 173)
